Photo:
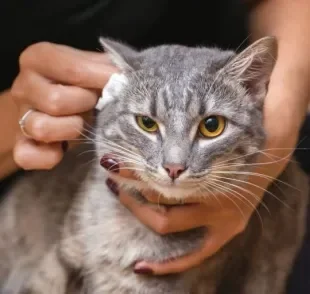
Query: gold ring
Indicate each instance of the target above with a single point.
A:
(22, 122)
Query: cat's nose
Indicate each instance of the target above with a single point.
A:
(174, 170)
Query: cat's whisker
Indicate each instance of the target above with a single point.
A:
(246, 155)
(248, 173)
(254, 163)
(229, 190)
(87, 151)
(263, 151)
(275, 180)
(89, 130)
(242, 156)
(259, 187)
(132, 168)
(205, 187)
(90, 139)
(241, 197)
(103, 140)
(218, 166)
(89, 162)
(119, 151)
(123, 160)
(129, 160)
(219, 188)
(257, 199)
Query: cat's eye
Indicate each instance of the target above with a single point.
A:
(147, 124)
(212, 126)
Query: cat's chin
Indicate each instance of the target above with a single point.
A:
(174, 192)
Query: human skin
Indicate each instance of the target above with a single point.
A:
(78, 76)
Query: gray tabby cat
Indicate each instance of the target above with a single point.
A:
(187, 120)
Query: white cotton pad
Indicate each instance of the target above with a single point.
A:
(111, 90)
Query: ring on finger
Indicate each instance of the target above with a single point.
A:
(22, 123)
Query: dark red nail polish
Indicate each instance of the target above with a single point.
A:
(143, 271)
(113, 186)
(64, 146)
(109, 164)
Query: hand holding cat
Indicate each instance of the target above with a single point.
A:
(43, 66)
(62, 85)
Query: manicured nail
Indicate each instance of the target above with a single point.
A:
(143, 271)
(112, 186)
(64, 146)
(109, 164)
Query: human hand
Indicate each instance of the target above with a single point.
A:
(62, 85)
(229, 219)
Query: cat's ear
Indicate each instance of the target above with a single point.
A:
(120, 54)
(253, 66)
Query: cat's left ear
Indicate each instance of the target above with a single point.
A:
(253, 66)
(121, 55)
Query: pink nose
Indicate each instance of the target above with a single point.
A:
(174, 170)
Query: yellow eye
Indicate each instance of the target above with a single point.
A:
(212, 126)
(147, 124)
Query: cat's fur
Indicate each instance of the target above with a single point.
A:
(61, 225)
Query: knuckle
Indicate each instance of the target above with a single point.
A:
(40, 130)
(30, 54)
(21, 85)
(54, 103)
(25, 57)
(75, 73)
(19, 158)
(17, 91)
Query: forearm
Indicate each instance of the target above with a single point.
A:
(8, 130)
(289, 22)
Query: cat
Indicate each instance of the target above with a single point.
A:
(187, 120)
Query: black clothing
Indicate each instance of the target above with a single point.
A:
(141, 23)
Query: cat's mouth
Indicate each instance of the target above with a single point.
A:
(174, 192)
(166, 192)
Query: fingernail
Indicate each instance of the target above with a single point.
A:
(112, 186)
(109, 164)
(143, 271)
(64, 146)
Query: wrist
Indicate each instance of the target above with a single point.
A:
(289, 91)
(7, 165)
(8, 130)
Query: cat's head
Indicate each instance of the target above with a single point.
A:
(186, 119)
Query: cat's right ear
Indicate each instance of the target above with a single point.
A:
(253, 66)
(121, 55)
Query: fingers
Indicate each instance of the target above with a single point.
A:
(67, 65)
(167, 220)
(44, 128)
(178, 265)
(32, 155)
(223, 225)
(214, 241)
(162, 220)
(54, 99)
(61, 84)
